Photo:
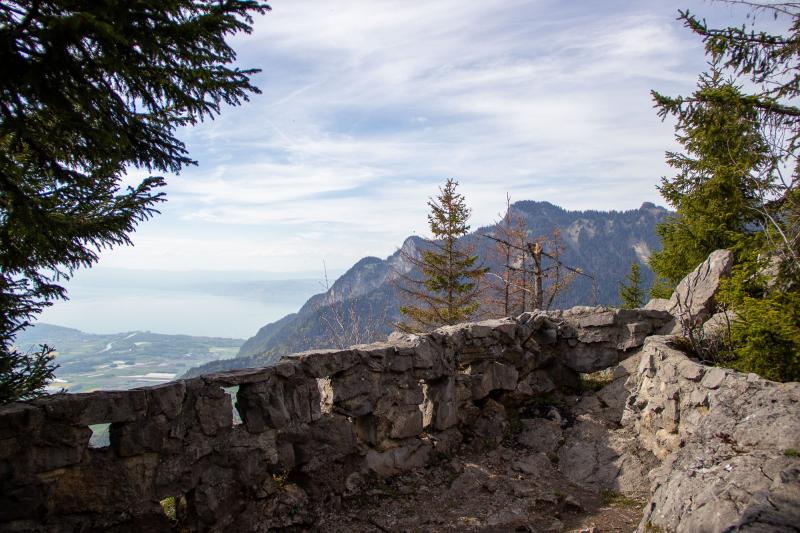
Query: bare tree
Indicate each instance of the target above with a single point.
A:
(537, 279)
(348, 319)
(557, 276)
(506, 292)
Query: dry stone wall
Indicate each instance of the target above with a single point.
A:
(311, 427)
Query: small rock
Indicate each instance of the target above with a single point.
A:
(509, 517)
(534, 464)
(353, 484)
(572, 504)
(554, 415)
(713, 378)
(553, 525)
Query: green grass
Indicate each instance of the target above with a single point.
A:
(170, 508)
(791, 452)
(610, 497)
(595, 381)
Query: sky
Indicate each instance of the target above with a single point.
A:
(368, 106)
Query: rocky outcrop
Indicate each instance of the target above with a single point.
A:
(692, 303)
(308, 425)
(727, 443)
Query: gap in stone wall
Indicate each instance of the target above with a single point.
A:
(100, 436)
(426, 406)
(233, 392)
(325, 395)
(170, 505)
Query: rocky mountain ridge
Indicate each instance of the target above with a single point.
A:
(603, 244)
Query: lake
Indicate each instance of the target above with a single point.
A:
(216, 304)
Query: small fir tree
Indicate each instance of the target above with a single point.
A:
(631, 292)
(447, 293)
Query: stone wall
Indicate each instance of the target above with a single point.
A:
(312, 425)
(728, 444)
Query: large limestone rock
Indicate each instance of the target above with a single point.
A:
(692, 303)
(727, 443)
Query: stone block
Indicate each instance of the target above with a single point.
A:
(400, 363)
(492, 376)
(325, 363)
(698, 397)
(506, 328)
(95, 407)
(406, 423)
(232, 378)
(141, 436)
(166, 399)
(480, 330)
(402, 390)
(597, 318)
(443, 404)
(302, 399)
(20, 419)
(713, 378)
(262, 406)
(492, 423)
(325, 441)
(535, 383)
(355, 390)
(408, 456)
(214, 413)
(287, 367)
(670, 416)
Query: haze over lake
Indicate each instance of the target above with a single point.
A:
(220, 304)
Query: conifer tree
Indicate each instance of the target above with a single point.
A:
(737, 183)
(739, 175)
(631, 293)
(718, 187)
(447, 292)
(88, 91)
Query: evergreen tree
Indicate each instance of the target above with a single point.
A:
(718, 187)
(448, 291)
(88, 90)
(631, 293)
(737, 185)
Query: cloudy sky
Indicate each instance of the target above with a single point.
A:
(368, 105)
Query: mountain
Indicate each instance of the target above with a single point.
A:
(122, 360)
(602, 244)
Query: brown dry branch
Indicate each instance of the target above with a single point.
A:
(349, 320)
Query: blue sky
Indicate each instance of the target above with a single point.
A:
(368, 105)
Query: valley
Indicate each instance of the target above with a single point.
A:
(89, 362)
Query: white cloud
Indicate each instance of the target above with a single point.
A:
(369, 106)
